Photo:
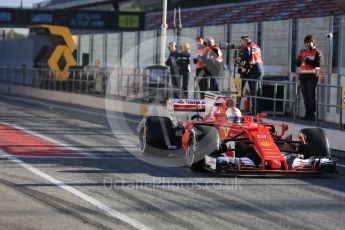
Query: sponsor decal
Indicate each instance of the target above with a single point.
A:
(226, 131)
(265, 144)
(210, 161)
(261, 136)
(189, 101)
(273, 153)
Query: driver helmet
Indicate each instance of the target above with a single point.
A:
(234, 114)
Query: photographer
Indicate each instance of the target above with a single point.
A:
(251, 67)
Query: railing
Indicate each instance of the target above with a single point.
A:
(338, 106)
(291, 98)
(79, 81)
(140, 87)
(223, 85)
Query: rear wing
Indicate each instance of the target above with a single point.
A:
(210, 100)
(189, 105)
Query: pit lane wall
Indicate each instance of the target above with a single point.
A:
(336, 137)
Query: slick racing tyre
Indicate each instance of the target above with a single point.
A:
(315, 141)
(155, 135)
(203, 140)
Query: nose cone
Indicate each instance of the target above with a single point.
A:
(275, 164)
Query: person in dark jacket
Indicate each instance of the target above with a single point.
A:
(172, 63)
(309, 61)
(184, 66)
(179, 63)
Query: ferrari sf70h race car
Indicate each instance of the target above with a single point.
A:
(224, 141)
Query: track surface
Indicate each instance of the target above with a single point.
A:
(94, 183)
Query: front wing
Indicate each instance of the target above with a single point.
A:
(234, 166)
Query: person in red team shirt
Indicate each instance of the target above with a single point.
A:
(309, 61)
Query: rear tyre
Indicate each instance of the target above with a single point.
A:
(203, 140)
(156, 135)
(315, 143)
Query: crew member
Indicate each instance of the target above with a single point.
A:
(251, 68)
(184, 66)
(213, 64)
(309, 61)
(199, 60)
(172, 63)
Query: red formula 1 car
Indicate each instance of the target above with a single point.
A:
(222, 140)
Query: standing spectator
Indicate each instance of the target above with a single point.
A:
(213, 64)
(252, 68)
(172, 63)
(98, 72)
(94, 78)
(201, 53)
(184, 66)
(309, 61)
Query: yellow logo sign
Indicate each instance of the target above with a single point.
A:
(64, 50)
(265, 144)
(236, 87)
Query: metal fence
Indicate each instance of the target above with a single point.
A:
(79, 81)
(320, 104)
(141, 87)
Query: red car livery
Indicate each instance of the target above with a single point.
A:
(224, 141)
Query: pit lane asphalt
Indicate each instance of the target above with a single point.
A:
(157, 197)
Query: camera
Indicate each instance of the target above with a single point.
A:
(329, 36)
(228, 45)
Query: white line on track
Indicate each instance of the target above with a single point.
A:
(343, 166)
(102, 207)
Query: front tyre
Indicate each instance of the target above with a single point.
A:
(203, 140)
(316, 143)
